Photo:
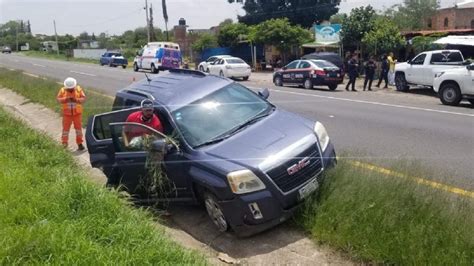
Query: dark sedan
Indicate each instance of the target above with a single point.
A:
(308, 73)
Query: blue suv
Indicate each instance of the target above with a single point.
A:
(250, 163)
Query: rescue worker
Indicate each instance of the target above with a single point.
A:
(71, 97)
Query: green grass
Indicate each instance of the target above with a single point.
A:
(62, 57)
(384, 219)
(50, 213)
(44, 92)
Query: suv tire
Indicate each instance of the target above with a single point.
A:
(135, 67)
(201, 68)
(401, 82)
(214, 210)
(332, 87)
(450, 94)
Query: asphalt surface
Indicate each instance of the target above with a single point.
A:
(383, 126)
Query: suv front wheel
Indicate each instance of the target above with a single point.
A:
(401, 82)
(215, 212)
(450, 94)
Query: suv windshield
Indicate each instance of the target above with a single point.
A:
(220, 114)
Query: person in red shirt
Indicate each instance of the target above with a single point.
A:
(145, 117)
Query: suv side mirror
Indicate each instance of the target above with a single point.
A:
(470, 67)
(264, 93)
(466, 62)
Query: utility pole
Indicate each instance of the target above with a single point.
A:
(17, 36)
(56, 34)
(147, 21)
(151, 28)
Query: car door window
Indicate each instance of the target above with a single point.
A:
(419, 60)
(211, 59)
(304, 64)
(132, 137)
(292, 65)
(101, 123)
(446, 58)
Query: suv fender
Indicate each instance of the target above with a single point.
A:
(210, 182)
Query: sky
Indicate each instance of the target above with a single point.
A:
(117, 16)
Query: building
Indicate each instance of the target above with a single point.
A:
(186, 37)
(461, 16)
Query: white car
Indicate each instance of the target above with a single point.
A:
(230, 67)
(455, 84)
(204, 66)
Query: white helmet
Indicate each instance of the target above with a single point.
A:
(70, 83)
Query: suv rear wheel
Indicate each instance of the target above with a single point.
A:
(401, 82)
(215, 212)
(450, 94)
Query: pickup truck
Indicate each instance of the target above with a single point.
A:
(455, 85)
(422, 69)
(113, 59)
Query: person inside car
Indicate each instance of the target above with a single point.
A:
(133, 136)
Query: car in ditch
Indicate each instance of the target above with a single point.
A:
(225, 146)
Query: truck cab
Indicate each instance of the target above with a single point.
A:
(421, 70)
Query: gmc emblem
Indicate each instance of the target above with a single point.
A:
(298, 166)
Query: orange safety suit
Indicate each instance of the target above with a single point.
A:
(71, 101)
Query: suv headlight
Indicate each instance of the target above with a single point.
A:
(322, 134)
(244, 181)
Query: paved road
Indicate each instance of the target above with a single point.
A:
(382, 126)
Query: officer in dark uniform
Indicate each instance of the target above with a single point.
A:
(352, 65)
(369, 72)
(384, 71)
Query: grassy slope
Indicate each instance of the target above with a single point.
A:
(49, 213)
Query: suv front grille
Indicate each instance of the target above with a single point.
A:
(287, 182)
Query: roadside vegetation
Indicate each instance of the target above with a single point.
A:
(384, 219)
(51, 214)
(61, 56)
(44, 92)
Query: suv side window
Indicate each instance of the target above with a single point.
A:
(446, 58)
(419, 60)
(129, 103)
(134, 138)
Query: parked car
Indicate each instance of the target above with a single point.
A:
(204, 66)
(453, 85)
(308, 73)
(422, 69)
(113, 59)
(6, 50)
(156, 56)
(328, 56)
(230, 67)
(249, 162)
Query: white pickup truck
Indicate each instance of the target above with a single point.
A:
(455, 84)
(422, 69)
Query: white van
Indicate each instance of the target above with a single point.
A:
(157, 56)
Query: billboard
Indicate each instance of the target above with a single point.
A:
(327, 34)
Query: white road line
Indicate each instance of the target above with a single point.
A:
(12, 69)
(375, 103)
(39, 65)
(82, 73)
(31, 75)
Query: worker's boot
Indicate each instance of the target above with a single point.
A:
(80, 147)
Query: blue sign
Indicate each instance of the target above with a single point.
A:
(327, 34)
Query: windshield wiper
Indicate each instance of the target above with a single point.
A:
(212, 141)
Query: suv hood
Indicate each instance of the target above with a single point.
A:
(281, 133)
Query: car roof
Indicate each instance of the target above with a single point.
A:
(179, 87)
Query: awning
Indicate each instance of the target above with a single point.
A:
(457, 40)
(319, 45)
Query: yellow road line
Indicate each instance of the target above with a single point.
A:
(419, 180)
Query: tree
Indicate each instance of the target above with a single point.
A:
(337, 18)
(280, 33)
(357, 24)
(384, 37)
(300, 12)
(412, 14)
(229, 34)
(84, 36)
(28, 27)
(226, 22)
(204, 41)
